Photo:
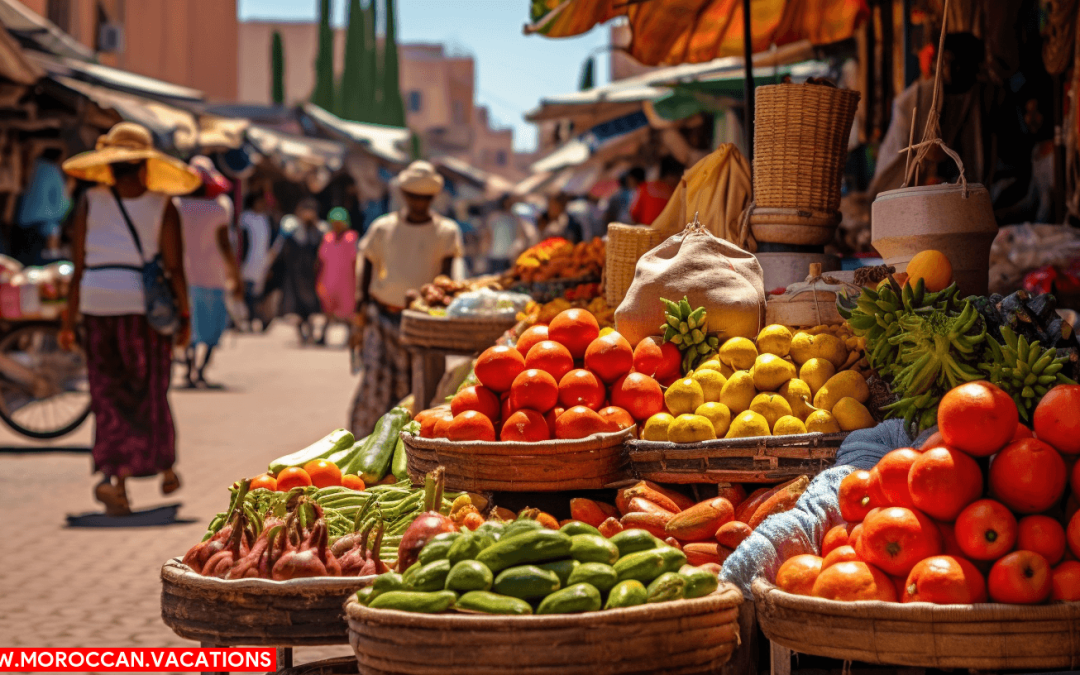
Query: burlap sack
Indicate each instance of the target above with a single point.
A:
(711, 272)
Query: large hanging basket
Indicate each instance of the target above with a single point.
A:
(981, 637)
(625, 244)
(682, 636)
(256, 612)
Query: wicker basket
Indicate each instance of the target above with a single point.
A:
(255, 612)
(682, 636)
(551, 466)
(767, 459)
(981, 637)
(419, 329)
(625, 245)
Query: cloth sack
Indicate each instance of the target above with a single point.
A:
(711, 272)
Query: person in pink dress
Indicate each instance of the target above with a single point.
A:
(337, 270)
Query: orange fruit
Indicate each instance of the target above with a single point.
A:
(581, 387)
(610, 357)
(892, 477)
(942, 481)
(895, 538)
(353, 482)
(424, 414)
(442, 425)
(836, 537)
(656, 358)
(933, 267)
(1043, 535)
(944, 580)
(617, 416)
(986, 530)
(1056, 421)
(638, 394)
(478, 398)
(1020, 578)
(535, 390)
(838, 555)
(265, 481)
(978, 418)
(853, 581)
(1022, 432)
(471, 426)
(1065, 581)
(853, 536)
(550, 417)
(427, 426)
(291, 477)
(581, 422)
(1072, 534)
(323, 473)
(550, 357)
(575, 329)
(531, 336)
(856, 496)
(798, 574)
(504, 405)
(497, 367)
(1028, 476)
(526, 426)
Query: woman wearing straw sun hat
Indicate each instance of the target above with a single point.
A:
(127, 221)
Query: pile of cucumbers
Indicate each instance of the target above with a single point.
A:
(522, 568)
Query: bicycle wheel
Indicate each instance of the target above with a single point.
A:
(44, 391)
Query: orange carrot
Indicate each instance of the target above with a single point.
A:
(732, 533)
(642, 505)
(547, 520)
(700, 521)
(701, 553)
(653, 523)
(610, 527)
(673, 542)
(734, 493)
(660, 499)
(681, 500)
(751, 502)
(587, 511)
(783, 500)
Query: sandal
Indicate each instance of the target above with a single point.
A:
(170, 482)
(114, 497)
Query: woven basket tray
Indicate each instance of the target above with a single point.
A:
(683, 636)
(766, 459)
(625, 245)
(546, 291)
(981, 637)
(255, 612)
(551, 466)
(419, 329)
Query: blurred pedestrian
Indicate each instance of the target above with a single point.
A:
(556, 222)
(504, 231)
(337, 270)
(301, 236)
(653, 196)
(256, 234)
(618, 207)
(401, 251)
(127, 220)
(210, 264)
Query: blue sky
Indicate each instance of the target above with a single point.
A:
(513, 70)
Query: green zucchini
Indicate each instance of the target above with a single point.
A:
(576, 598)
(629, 593)
(532, 547)
(598, 575)
(492, 603)
(335, 441)
(576, 527)
(384, 583)
(373, 461)
(699, 582)
(667, 586)
(398, 465)
(562, 569)
(469, 575)
(343, 457)
(634, 541)
(526, 582)
(593, 548)
(430, 577)
(415, 601)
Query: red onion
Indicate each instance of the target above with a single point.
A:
(428, 524)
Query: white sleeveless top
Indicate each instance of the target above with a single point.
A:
(113, 291)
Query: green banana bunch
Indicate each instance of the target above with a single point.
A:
(1026, 371)
(687, 328)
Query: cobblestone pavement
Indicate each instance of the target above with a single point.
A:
(75, 587)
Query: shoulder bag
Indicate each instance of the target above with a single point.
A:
(161, 311)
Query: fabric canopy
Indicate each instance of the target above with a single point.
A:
(669, 32)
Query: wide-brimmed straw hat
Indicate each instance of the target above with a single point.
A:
(130, 142)
(420, 178)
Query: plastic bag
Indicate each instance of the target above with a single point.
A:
(488, 303)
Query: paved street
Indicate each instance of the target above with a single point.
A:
(100, 587)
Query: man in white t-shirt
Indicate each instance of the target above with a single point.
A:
(256, 232)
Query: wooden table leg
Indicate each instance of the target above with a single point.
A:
(780, 659)
(211, 645)
(427, 370)
(284, 658)
(745, 659)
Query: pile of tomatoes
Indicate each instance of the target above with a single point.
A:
(983, 513)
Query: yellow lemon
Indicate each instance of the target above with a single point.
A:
(656, 427)
(846, 383)
(771, 372)
(797, 394)
(748, 424)
(691, 429)
(684, 396)
(718, 414)
(816, 372)
(774, 339)
(822, 346)
(788, 425)
(738, 352)
(770, 406)
(713, 363)
(606, 330)
(712, 383)
(726, 370)
(738, 392)
(851, 415)
(822, 421)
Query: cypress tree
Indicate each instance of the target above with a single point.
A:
(587, 76)
(353, 81)
(323, 95)
(372, 102)
(393, 107)
(277, 65)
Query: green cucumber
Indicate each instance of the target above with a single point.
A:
(384, 583)
(576, 527)
(531, 547)
(633, 541)
(399, 464)
(491, 527)
(343, 457)
(430, 577)
(667, 586)
(468, 546)
(520, 527)
(335, 441)
(407, 575)
(469, 575)
(372, 463)
(644, 566)
(576, 598)
(674, 559)
(363, 596)
(438, 548)
(629, 593)
(527, 582)
(562, 569)
(598, 575)
(593, 548)
(699, 582)
(415, 601)
(492, 603)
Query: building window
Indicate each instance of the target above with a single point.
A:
(415, 101)
(500, 158)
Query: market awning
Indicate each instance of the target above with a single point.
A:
(115, 79)
(385, 142)
(669, 32)
(492, 184)
(585, 146)
(299, 158)
(34, 30)
(14, 64)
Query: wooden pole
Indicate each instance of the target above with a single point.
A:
(748, 84)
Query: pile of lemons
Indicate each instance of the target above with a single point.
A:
(788, 383)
